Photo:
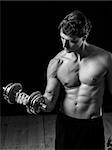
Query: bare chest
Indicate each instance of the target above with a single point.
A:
(73, 74)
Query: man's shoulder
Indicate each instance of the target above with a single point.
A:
(101, 55)
(55, 62)
(99, 51)
(58, 57)
(60, 54)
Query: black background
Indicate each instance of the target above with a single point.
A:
(30, 38)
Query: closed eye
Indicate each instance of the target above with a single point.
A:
(74, 41)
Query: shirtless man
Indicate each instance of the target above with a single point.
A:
(82, 69)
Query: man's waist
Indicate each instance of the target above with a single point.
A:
(82, 115)
(80, 120)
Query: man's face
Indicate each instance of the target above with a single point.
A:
(71, 44)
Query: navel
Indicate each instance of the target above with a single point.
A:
(75, 103)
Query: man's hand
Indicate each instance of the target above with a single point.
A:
(22, 98)
(34, 103)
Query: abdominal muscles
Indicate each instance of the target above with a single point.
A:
(83, 102)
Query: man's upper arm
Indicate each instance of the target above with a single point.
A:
(109, 76)
(53, 84)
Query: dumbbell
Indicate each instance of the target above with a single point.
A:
(36, 102)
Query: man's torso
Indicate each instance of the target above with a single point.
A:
(83, 81)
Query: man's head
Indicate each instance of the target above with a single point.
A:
(75, 24)
(74, 29)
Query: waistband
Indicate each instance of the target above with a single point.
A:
(66, 117)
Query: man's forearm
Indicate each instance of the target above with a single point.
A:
(49, 101)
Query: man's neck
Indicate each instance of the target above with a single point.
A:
(82, 51)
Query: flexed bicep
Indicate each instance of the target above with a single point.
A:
(53, 84)
(52, 89)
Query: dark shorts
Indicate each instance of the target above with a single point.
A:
(79, 134)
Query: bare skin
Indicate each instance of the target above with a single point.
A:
(83, 80)
(82, 69)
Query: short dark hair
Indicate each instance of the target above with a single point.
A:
(75, 24)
